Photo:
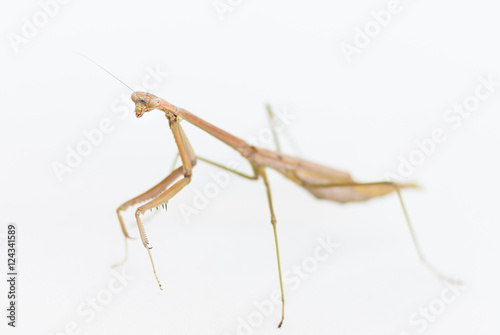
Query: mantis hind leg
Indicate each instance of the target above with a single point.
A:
(262, 173)
(396, 188)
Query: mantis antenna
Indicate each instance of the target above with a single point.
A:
(106, 71)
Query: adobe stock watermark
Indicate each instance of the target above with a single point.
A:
(223, 7)
(91, 138)
(219, 180)
(421, 319)
(31, 27)
(292, 281)
(97, 303)
(364, 36)
(453, 119)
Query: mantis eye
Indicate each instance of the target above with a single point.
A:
(142, 101)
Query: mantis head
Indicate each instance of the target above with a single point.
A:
(145, 102)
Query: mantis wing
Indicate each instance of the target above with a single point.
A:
(321, 181)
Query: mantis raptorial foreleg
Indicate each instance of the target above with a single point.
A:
(162, 199)
(149, 194)
(407, 217)
(188, 159)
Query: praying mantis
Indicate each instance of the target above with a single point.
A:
(321, 181)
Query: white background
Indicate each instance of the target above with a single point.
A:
(358, 116)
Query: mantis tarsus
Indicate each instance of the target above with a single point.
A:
(323, 182)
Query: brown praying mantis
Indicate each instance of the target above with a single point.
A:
(321, 181)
